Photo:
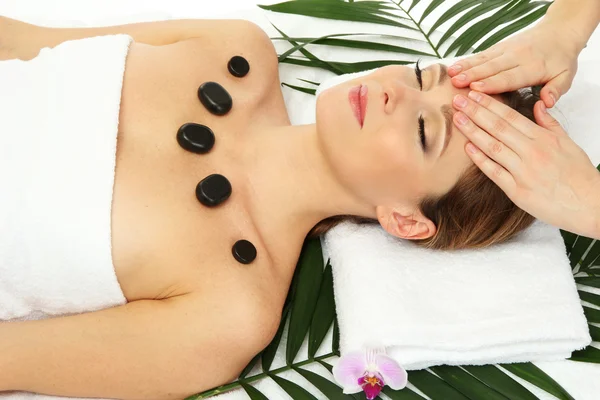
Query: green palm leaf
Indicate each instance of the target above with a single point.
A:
(356, 44)
(323, 315)
(481, 9)
(579, 248)
(414, 3)
(300, 88)
(569, 239)
(253, 393)
(269, 353)
(296, 392)
(335, 342)
(310, 267)
(335, 10)
(589, 281)
(404, 394)
(594, 333)
(345, 68)
(430, 8)
(590, 354)
(589, 297)
(486, 25)
(539, 378)
(512, 28)
(499, 381)
(328, 388)
(434, 387)
(592, 314)
(452, 12)
(466, 383)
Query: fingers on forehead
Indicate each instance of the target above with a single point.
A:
(495, 104)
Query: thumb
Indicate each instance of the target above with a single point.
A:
(544, 119)
(555, 88)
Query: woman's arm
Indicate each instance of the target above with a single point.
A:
(149, 349)
(581, 17)
(26, 40)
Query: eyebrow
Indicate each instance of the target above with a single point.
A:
(443, 74)
(446, 109)
(448, 113)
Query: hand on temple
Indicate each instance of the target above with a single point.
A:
(543, 54)
(538, 166)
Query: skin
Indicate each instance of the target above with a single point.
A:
(203, 314)
(538, 166)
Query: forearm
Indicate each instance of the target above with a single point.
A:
(133, 351)
(7, 350)
(579, 18)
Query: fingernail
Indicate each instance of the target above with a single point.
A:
(553, 99)
(471, 149)
(478, 85)
(475, 96)
(460, 101)
(456, 68)
(461, 77)
(543, 107)
(462, 119)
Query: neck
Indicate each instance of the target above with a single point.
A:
(291, 186)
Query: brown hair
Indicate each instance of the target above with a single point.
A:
(475, 212)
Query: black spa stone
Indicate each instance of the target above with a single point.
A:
(238, 66)
(215, 98)
(195, 138)
(244, 251)
(213, 190)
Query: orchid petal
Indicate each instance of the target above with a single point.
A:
(393, 374)
(349, 368)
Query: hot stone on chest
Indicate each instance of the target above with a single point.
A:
(215, 98)
(244, 251)
(213, 190)
(238, 66)
(195, 138)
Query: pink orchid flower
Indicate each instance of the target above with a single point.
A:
(369, 371)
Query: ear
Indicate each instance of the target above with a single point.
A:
(405, 222)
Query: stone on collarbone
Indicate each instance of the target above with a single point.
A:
(213, 190)
(215, 98)
(238, 66)
(244, 251)
(196, 138)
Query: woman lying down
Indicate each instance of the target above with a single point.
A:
(210, 195)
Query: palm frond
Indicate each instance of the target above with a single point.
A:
(337, 10)
(539, 378)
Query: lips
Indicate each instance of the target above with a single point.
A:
(357, 96)
(363, 103)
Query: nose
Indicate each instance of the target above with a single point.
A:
(395, 93)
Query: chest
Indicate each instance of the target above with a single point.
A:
(164, 241)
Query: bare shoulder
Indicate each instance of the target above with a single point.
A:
(231, 37)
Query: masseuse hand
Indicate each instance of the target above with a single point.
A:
(543, 54)
(538, 166)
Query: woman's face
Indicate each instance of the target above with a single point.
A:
(387, 161)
